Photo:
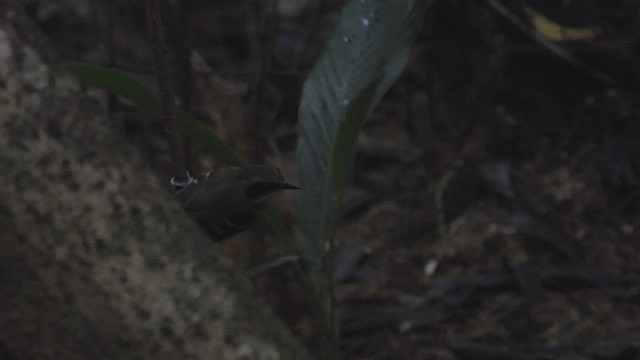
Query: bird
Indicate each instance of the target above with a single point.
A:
(226, 202)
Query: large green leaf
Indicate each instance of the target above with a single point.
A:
(365, 55)
(122, 84)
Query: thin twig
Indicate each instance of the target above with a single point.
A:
(439, 202)
(161, 56)
(183, 50)
(111, 49)
(262, 26)
(307, 36)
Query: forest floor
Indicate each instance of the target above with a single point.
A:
(494, 210)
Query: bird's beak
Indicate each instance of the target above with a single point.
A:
(260, 189)
(285, 185)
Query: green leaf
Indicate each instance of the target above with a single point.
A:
(122, 84)
(365, 55)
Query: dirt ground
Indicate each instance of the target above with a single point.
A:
(505, 216)
(494, 209)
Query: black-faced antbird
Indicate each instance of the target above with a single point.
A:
(226, 202)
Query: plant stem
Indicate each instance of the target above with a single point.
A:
(161, 57)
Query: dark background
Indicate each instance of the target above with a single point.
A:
(494, 207)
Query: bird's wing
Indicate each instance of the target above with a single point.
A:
(224, 211)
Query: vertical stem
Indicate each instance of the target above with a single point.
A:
(111, 48)
(261, 15)
(331, 313)
(262, 24)
(182, 46)
(161, 56)
(307, 35)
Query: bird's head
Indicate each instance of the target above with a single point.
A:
(261, 180)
